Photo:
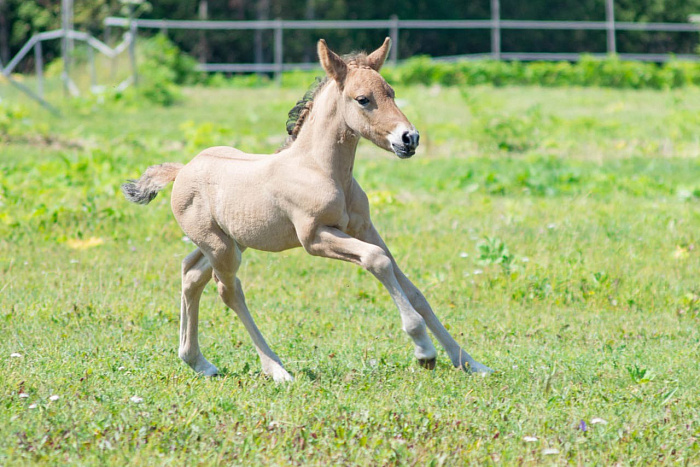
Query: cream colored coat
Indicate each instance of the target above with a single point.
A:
(305, 195)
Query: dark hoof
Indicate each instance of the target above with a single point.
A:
(427, 363)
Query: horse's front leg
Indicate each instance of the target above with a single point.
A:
(460, 358)
(330, 242)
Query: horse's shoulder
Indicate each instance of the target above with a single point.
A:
(357, 198)
(358, 210)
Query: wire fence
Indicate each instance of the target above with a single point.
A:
(65, 35)
(394, 26)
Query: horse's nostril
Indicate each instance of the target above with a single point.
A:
(406, 137)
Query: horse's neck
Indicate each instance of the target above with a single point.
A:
(325, 139)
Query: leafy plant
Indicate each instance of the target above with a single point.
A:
(512, 133)
(639, 375)
(493, 251)
(162, 70)
(159, 52)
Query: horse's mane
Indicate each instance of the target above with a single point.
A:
(302, 109)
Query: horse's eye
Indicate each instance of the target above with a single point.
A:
(362, 100)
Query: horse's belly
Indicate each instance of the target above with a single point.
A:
(261, 232)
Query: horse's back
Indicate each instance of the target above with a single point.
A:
(227, 153)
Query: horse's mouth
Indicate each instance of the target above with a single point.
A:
(404, 152)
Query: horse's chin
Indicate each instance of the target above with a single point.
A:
(402, 152)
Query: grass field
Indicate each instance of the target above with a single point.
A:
(555, 232)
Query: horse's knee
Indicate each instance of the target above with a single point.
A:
(194, 278)
(415, 326)
(376, 260)
(226, 293)
(228, 289)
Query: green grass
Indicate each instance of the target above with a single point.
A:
(589, 311)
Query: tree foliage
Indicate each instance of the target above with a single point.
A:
(19, 19)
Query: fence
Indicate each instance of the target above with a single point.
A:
(394, 25)
(65, 35)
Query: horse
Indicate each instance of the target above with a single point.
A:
(304, 195)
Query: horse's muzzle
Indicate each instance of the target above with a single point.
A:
(409, 143)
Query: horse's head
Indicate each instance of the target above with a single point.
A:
(367, 101)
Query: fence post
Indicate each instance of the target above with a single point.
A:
(394, 34)
(64, 45)
(279, 51)
(133, 28)
(496, 29)
(610, 20)
(39, 66)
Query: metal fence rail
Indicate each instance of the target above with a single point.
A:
(35, 43)
(394, 25)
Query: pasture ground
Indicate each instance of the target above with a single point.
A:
(555, 231)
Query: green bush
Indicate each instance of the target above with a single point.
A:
(589, 71)
(161, 53)
(510, 132)
(162, 69)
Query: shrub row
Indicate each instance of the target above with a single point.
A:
(589, 71)
(164, 63)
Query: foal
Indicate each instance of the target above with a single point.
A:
(304, 195)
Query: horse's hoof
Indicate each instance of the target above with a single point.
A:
(479, 369)
(200, 365)
(280, 375)
(427, 363)
(209, 371)
(277, 373)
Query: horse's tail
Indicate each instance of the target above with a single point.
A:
(154, 179)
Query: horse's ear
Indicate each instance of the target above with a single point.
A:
(376, 59)
(334, 66)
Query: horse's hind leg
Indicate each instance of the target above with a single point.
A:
(225, 257)
(232, 294)
(196, 272)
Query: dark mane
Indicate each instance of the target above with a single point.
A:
(302, 108)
